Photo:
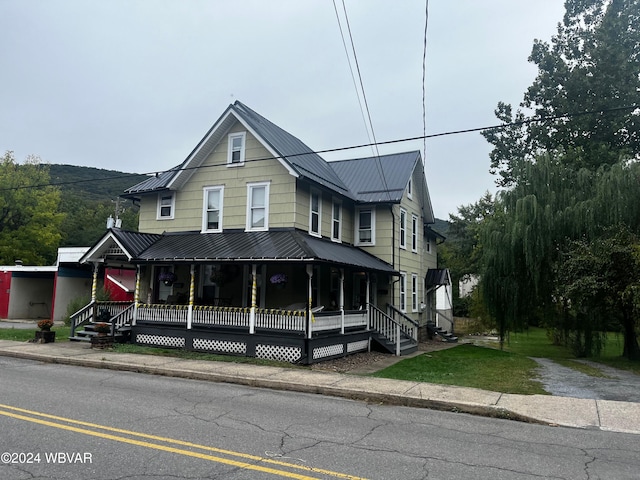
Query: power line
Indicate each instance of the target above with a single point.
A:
(525, 121)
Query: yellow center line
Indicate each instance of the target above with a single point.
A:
(172, 449)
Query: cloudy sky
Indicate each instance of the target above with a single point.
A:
(133, 85)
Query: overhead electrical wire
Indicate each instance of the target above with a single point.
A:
(352, 147)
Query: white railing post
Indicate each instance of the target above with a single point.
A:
(342, 300)
(397, 339)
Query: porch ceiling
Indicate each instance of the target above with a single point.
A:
(273, 245)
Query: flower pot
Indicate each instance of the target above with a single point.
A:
(45, 336)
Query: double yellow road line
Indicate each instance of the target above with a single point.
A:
(236, 459)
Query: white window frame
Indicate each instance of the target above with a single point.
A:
(410, 189)
(373, 226)
(230, 149)
(251, 187)
(414, 292)
(403, 229)
(336, 204)
(427, 245)
(312, 213)
(414, 233)
(205, 208)
(171, 205)
(403, 292)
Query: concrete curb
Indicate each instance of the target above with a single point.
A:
(538, 409)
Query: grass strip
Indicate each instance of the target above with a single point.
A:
(470, 366)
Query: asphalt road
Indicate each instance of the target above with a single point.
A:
(67, 422)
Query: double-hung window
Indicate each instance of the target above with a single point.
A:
(336, 221)
(258, 206)
(213, 199)
(403, 228)
(414, 233)
(315, 212)
(365, 226)
(166, 205)
(414, 292)
(403, 292)
(236, 148)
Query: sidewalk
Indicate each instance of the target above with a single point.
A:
(557, 411)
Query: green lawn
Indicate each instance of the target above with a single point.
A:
(470, 366)
(24, 335)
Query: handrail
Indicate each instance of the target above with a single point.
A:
(82, 316)
(390, 328)
(402, 314)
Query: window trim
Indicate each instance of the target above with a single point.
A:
(414, 233)
(250, 189)
(410, 189)
(172, 206)
(334, 204)
(315, 191)
(403, 292)
(231, 138)
(403, 229)
(373, 226)
(414, 293)
(205, 208)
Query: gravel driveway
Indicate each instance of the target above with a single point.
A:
(565, 382)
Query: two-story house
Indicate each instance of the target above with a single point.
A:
(255, 245)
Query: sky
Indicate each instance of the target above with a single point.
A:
(133, 85)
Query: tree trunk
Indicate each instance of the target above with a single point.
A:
(631, 347)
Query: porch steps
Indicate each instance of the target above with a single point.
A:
(438, 333)
(407, 344)
(85, 335)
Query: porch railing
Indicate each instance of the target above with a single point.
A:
(408, 326)
(333, 320)
(392, 329)
(82, 316)
(120, 314)
(220, 316)
(162, 313)
(291, 320)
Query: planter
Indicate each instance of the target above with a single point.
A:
(102, 341)
(45, 336)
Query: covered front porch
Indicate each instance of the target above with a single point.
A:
(298, 308)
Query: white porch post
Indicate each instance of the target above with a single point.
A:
(310, 303)
(192, 295)
(254, 298)
(367, 297)
(341, 300)
(136, 296)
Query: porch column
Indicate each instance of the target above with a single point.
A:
(192, 295)
(136, 296)
(94, 282)
(254, 298)
(367, 297)
(310, 303)
(341, 301)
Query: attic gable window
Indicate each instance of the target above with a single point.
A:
(166, 206)
(236, 149)
(410, 189)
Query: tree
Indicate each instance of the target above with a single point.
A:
(592, 65)
(29, 218)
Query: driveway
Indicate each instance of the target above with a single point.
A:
(562, 381)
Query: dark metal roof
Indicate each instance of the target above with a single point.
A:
(302, 159)
(437, 276)
(134, 242)
(153, 183)
(273, 245)
(373, 181)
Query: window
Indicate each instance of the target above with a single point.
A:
(336, 222)
(258, 206)
(403, 292)
(236, 148)
(427, 245)
(366, 233)
(414, 292)
(410, 189)
(315, 210)
(212, 209)
(166, 204)
(414, 233)
(403, 228)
